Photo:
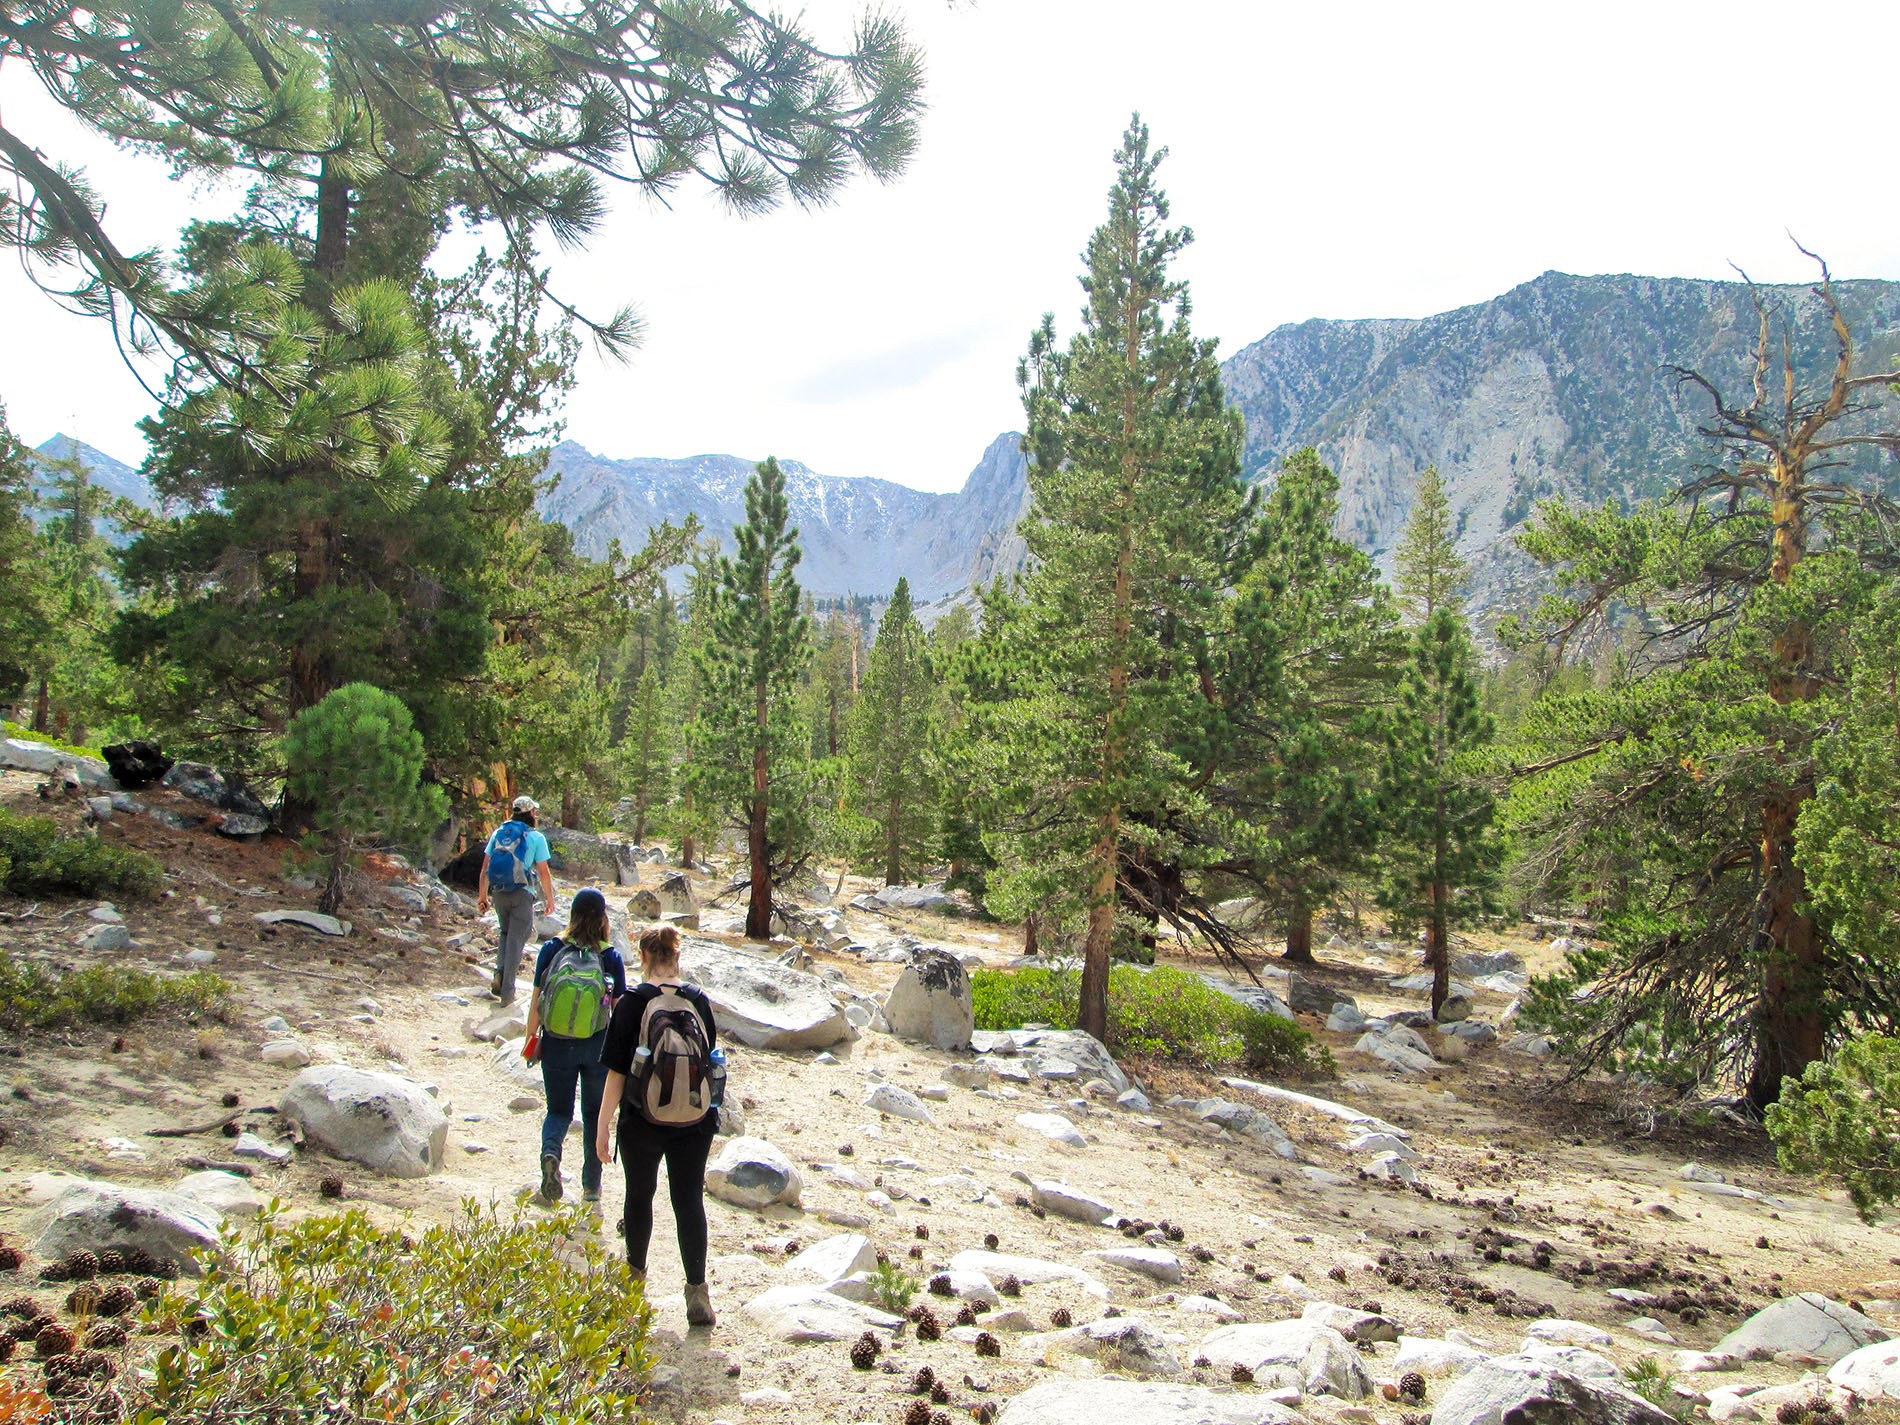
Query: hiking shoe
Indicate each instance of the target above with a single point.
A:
(591, 1194)
(550, 1177)
(699, 1310)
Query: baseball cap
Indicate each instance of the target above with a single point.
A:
(588, 899)
(526, 804)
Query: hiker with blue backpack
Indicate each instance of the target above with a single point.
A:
(578, 977)
(517, 854)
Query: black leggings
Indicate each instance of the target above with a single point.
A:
(640, 1154)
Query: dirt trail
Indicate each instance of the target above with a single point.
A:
(1505, 1164)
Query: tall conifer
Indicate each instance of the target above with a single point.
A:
(1089, 676)
(891, 735)
(747, 745)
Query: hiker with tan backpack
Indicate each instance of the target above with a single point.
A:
(666, 1078)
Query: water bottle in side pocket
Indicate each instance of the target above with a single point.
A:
(716, 1081)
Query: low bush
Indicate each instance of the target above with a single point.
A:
(37, 996)
(36, 859)
(335, 1318)
(1159, 1013)
(23, 733)
(1842, 1118)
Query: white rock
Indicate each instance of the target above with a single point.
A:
(1429, 1356)
(935, 1093)
(931, 1001)
(899, 1103)
(1696, 1173)
(1247, 1122)
(1304, 1353)
(225, 1192)
(1391, 1165)
(796, 1314)
(973, 1075)
(972, 1286)
(1523, 1388)
(1052, 1125)
(835, 1257)
(1567, 1333)
(308, 919)
(1162, 1266)
(1381, 1143)
(761, 1003)
(1350, 1322)
(1138, 1346)
(87, 1216)
(1343, 1112)
(1031, 1271)
(1208, 1306)
(1872, 1371)
(509, 1023)
(1809, 1323)
(751, 1172)
(1650, 1327)
(105, 939)
(249, 1145)
(1289, 1285)
(382, 1121)
(1058, 1197)
(1136, 1100)
(1576, 1360)
(881, 1202)
(1069, 1401)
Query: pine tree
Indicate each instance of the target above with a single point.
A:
(1316, 657)
(1674, 796)
(1431, 575)
(647, 749)
(1439, 850)
(746, 756)
(27, 606)
(891, 741)
(357, 758)
(1085, 685)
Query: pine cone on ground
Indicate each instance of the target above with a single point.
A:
(111, 1262)
(928, 1327)
(923, 1380)
(7, 1345)
(147, 1288)
(1241, 1375)
(918, 1413)
(331, 1186)
(940, 1393)
(106, 1336)
(81, 1267)
(19, 1306)
(992, 1241)
(939, 1285)
(117, 1299)
(966, 1316)
(923, 1231)
(988, 1345)
(1412, 1386)
(84, 1300)
(1061, 1319)
(1010, 1285)
(54, 1340)
(10, 1259)
(864, 1352)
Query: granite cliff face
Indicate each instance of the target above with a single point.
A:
(1558, 387)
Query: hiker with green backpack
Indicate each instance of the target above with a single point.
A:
(578, 977)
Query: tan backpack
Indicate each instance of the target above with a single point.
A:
(673, 1077)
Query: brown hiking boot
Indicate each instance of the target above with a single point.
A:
(699, 1310)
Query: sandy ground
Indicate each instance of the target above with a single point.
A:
(1511, 1157)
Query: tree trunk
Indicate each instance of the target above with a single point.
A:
(331, 901)
(640, 815)
(1093, 1008)
(43, 704)
(571, 809)
(893, 851)
(687, 844)
(1029, 934)
(1438, 947)
(1299, 933)
(1790, 1033)
(333, 221)
(758, 915)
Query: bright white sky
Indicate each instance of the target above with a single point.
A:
(1371, 159)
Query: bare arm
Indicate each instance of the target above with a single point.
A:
(547, 886)
(481, 888)
(534, 1012)
(609, 1110)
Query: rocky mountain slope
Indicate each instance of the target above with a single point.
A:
(115, 477)
(1558, 387)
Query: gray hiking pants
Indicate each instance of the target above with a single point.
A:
(516, 910)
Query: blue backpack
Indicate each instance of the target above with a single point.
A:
(508, 857)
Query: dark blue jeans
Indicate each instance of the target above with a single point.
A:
(565, 1062)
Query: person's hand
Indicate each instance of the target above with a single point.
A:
(604, 1143)
(548, 909)
(481, 904)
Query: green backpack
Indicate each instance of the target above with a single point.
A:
(574, 1002)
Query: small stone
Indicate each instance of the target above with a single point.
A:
(285, 1054)
(249, 1145)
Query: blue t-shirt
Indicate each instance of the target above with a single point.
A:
(610, 963)
(533, 853)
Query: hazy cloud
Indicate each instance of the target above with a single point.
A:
(880, 372)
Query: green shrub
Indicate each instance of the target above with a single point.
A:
(1272, 1045)
(36, 996)
(356, 759)
(1842, 1118)
(334, 1318)
(893, 1287)
(36, 860)
(46, 739)
(1160, 1013)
